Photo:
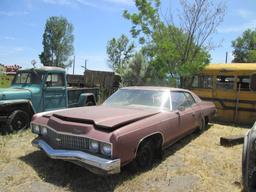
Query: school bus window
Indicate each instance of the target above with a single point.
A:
(195, 83)
(225, 82)
(206, 82)
(253, 82)
(244, 83)
(202, 82)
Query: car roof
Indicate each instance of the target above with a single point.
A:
(155, 88)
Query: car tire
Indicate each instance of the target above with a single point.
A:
(206, 122)
(145, 155)
(248, 164)
(18, 120)
(245, 164)
(201, 127)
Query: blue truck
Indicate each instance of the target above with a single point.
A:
(37, 90)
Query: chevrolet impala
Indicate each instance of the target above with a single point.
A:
(134, 125)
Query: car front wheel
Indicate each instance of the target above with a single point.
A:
(145, 155)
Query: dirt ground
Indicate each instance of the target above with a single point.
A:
(196, 163)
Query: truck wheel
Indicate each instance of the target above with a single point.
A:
(145, 155)
(18, 120)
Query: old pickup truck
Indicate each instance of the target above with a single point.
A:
(132, 126)
(38, 90)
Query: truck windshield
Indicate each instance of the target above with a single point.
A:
(140, 99)
(32, 77)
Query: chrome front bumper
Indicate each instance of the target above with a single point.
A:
(93, 163)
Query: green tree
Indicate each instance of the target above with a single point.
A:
(245, 47)
(119, 52)
(57, 43)
(176, 50)
(136, 72)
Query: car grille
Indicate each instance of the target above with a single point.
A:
(64, 141)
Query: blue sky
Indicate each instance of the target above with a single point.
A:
(95, 22)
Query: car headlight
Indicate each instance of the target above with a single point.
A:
(43, 131)
(106, 149)
(35, 128)
(94, 146)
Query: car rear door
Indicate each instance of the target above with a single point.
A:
(183, 109)
(197, 111)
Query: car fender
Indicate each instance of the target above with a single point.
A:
(137, 137)
(148, 136)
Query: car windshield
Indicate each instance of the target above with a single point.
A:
(31, 77)
(140, 98)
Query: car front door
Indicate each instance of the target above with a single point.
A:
(55, 96)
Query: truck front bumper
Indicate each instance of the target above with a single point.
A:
(93, 163)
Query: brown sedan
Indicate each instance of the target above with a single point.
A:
(133, 125)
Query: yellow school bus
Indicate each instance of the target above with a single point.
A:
(232, 87)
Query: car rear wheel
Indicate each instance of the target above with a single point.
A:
(18, 120)
(201, 126)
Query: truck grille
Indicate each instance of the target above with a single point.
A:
(63, 141)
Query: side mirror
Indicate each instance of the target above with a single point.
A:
(253, 82)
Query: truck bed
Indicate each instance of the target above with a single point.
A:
(74, 94)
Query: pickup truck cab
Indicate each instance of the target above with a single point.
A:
(38, 90)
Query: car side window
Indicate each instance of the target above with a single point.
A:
(178, 100)
(55, 80)
(190, 99)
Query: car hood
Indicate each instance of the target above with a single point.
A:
(108, 118)
(14, 93)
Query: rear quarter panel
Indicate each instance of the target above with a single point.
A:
(208, 109)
